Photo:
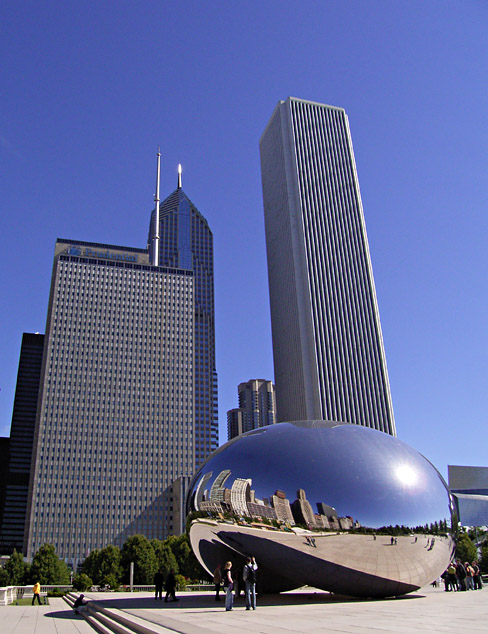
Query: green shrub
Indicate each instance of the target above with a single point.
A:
(180, 582)
(112, 581)
(82, 582)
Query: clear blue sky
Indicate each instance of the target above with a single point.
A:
(89, 90)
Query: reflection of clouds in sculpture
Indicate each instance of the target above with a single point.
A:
(326, 478)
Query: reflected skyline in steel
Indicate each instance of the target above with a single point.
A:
(320, 477)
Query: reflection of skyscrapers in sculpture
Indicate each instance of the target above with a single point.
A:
(217, 490)
(282, 507)
(200, 492)
(256, 408)
(260, 509)
(240, 500)
(240, 495)
(328, 351)
(325, 509)
(302, 510)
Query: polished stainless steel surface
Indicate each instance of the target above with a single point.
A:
(341, 507)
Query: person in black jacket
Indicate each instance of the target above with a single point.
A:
(80, 604)
(249, 575)
(159, 583)
(461, 575)
(170, 586)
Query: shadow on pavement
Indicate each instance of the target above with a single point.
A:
(64, 614)
(192, 601)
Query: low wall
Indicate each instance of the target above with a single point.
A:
(9, 594)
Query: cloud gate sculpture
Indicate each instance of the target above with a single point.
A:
(339, 507)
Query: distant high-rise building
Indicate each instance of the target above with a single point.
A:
(128, 386)
(115, 424)
(469, 488)
(256, 409)
(4, 460)
(21, 443)
(236, 423)
(186, 242)
(329, 358)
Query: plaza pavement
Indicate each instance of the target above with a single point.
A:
(430, 610)
(55, 618)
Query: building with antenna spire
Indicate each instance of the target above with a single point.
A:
(186, 242)
(127, 399)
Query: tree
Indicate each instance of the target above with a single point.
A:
(16, 569)
(47, 568)
(484, 559)
(91, 566)
(465, 549)
(109, 565)
(102, 564)
(82, 582)
(138, 549)
(4, 578)
(188, 564)
(164, 557)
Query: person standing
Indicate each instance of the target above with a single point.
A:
(37, 593)
(229, 586)
(249, 575)
(461, 575)
(159, 583)
(170, 586)
(476, 576)
(451, 573)
(217, 579)
(469, 576)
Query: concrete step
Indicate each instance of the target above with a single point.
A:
(96, 625)
(113, 621)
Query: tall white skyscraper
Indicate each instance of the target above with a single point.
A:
(329, 357)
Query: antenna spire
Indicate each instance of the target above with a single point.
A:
(155, 250)
(179, 175)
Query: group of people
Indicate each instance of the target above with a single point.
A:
(459, 576)
(169, 584)
(249, 576)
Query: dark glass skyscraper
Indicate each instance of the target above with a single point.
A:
(186, 242)
(329, 357)
(21, 443)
